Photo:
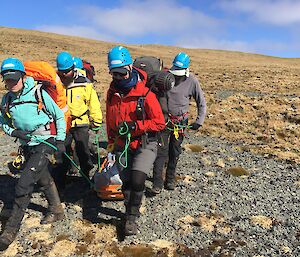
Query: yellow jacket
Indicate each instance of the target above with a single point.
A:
(83, 72)
(83, 102)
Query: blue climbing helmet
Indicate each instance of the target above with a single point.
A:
(12, 68)
(78, 62)
(118, 56)
(13, 64)
(181, 60)
(64, 61)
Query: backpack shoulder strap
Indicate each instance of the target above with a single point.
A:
(38, 93)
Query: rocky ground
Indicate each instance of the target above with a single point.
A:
(237, 193)
(228, 202)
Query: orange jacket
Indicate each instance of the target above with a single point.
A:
(119, 109)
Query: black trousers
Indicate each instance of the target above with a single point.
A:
(81, 137)
(36, 171)
(169, 150)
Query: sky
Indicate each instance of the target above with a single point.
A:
(269, 27)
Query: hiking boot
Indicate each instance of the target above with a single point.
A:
(155, 190)
(55, 209)
(52, 217)
(170, 185)
(7, 237)
(131, 227)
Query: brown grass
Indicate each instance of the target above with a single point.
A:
(251, 98)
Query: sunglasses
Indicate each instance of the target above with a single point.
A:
(65, 72)
(118, 75)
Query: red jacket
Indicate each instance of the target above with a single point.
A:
(119, 109)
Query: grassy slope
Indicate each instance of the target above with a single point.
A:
(251, 98)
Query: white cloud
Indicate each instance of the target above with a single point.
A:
(82, 31)
(274, 12)
(168, 22)
(137, 18)
(267, 47)
(215, 43)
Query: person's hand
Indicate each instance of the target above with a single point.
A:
(61, 149)
(23, 135)
(126, 126)
(95, 126)
(194, 126)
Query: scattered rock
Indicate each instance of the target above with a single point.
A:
(237, 172)
(221, 163)
(205, 161)
(210, 174)
(262, 221)
(286, 249)
(193, 148)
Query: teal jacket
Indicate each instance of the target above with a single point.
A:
(28, 117)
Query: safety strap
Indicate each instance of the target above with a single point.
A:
(40, 99)
(45, 130)
(79, 117)
(73, 85)
(178, 119)
(175, 124)
(9, 104)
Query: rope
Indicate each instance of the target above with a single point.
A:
(97, 144)
(177, 125)
(71, 160)
(122, 132)
(177, 128)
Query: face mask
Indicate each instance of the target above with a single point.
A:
(180, 72)
(125, 84)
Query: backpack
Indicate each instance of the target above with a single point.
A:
(90, 70)
(48, 80)
(159, 81)
(158, 78)
(149, 64)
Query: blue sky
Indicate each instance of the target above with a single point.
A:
(270, 27)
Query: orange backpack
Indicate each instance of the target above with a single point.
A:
(46, 76)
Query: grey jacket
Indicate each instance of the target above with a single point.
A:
(179, 98)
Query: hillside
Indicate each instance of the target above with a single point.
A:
(238, 182)
(251, 98)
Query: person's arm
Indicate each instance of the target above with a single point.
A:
(57, 115)
(198, 95)
(3, 121)
(94, 106)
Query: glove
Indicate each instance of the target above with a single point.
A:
(61, 149)
(21, 135)
(127, 126)
(195, 126)
(94, 126)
